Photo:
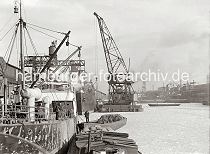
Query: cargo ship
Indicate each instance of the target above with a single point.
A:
(40, 116)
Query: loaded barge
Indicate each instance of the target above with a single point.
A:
(100, 137)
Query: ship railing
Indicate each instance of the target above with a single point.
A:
(20, 113)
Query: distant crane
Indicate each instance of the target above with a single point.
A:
(120, 86)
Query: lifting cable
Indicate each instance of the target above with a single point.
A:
(73, 45)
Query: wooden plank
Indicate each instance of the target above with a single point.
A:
(116, 134)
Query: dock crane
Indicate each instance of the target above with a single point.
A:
(120, 86)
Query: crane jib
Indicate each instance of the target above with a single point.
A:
(120, 91)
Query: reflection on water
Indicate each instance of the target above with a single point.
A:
(180, 129)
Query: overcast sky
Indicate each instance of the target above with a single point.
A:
(155, 34)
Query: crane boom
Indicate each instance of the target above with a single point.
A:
(113, 56)
(120, 91)
(51, 58)
(67, 59)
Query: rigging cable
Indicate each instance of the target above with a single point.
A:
(10, 18)
(31, 41)
(24, 34)
(25, 43)
(51, 36)
(17, 47)
(13, 41)
(7, 32)
(47, 29)
(5, 55)
(44, 33)
(10, 43)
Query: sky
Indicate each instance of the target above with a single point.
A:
(161, 35)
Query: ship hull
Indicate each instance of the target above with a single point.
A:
(54, 137)
(86, 100)
(164, 104)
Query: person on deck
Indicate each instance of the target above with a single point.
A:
(87, 116)
(57, 112)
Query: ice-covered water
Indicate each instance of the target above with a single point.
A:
(182, 129)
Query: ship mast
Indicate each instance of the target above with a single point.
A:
(21, 48)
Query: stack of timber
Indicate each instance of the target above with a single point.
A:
(97, 141)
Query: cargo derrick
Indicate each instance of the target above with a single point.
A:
(120, 91)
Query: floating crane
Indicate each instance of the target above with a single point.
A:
(120, 86)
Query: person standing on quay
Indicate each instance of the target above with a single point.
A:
(87, 116)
